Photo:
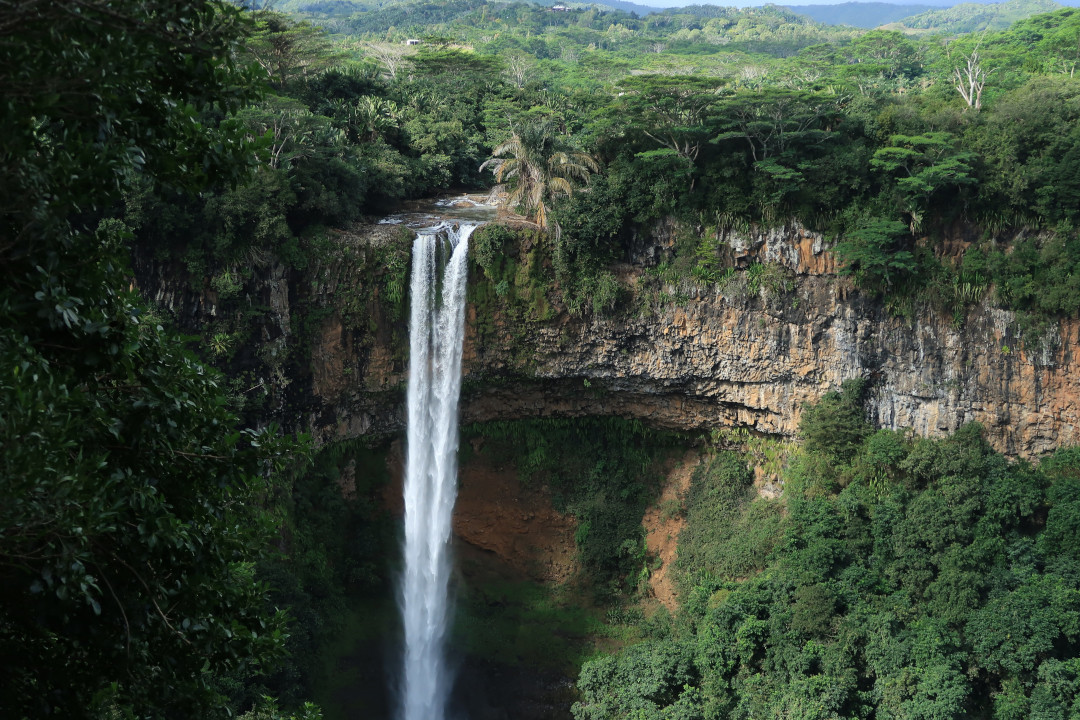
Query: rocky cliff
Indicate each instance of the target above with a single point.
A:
(748, 352)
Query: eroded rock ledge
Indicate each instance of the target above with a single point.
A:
(714, 359)
(722, 361)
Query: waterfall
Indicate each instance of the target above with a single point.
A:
(436, 331)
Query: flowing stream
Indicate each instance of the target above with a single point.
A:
(436, 331)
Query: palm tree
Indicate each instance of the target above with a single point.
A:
(369, 117)
(534, 169)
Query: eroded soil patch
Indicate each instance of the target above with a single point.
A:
(663, 522)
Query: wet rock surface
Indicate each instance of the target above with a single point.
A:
(498, 515)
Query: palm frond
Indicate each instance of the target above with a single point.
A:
(529, 163)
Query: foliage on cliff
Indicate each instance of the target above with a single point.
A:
(721, 118)
(910, 578)
(131, 505)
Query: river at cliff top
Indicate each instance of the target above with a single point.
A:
(428, 212)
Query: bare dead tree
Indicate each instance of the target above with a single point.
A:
(519, 69)
(391, 55)
(971, 79)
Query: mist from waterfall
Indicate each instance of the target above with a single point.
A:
(436, 332)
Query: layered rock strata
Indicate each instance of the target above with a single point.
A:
(742, 355)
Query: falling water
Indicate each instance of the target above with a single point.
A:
(436, 330)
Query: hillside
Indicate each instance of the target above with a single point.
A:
(972, 17)
(766, 336)
(859, 14)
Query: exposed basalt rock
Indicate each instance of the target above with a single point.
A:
(714, 358)
(714, 362)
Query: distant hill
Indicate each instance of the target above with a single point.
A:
(627, 7)
(336, 8)
(928, 15)
(859, 14)
(321, 7)
(971, 17)
(720, 11)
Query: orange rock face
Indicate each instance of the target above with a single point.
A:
(495, 513)
(725, 357)
(663, 522)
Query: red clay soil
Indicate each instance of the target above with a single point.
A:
(664, 521)
(495, 513)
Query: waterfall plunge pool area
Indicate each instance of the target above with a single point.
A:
(516, 639)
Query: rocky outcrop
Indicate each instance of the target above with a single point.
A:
(749, 353)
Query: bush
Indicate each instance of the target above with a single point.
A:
(488, 244)
(871, 253)
(836, 425)
(955, 599)
(728, 534)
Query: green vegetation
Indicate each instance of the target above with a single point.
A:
(523, 623)
(727, 534)
(602, 124)
(332, 560)
(867, 15)
(603, 471)
(131, 513)
(903, 578)
(534, 171)
(973, 17)
(158, 560)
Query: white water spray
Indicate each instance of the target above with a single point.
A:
(436, 331)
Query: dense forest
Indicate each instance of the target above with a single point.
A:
(166, 552)
(900, 578)
(720, 118)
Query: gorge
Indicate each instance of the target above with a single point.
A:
(682, 356)
(760, 393)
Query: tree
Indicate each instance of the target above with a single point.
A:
(816, 62)
(466, 66)
(888, 52)
(288, 128)
(391, 56)
(871, 253)
(782, 130)
(672, 111)
(774, 121)
(370, 116)
(536, 169)
(836, 425)
(519, 69)
(130, 506)
(971, 79)
(1064, 42)
(124, 90)
(923, 165)
(287, 50)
